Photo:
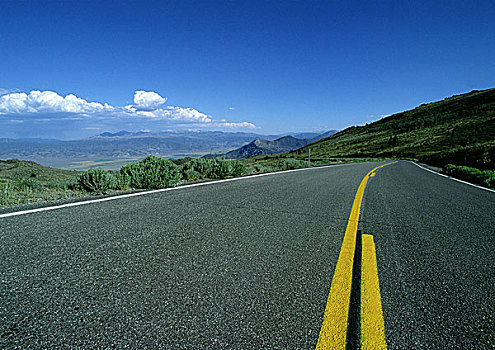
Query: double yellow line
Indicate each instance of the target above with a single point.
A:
(333, 331)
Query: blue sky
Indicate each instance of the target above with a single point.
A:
(268, 67)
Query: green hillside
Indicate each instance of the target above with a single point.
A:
(15, 169)
(25, 181)
(459, 130)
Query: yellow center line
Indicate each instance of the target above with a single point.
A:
(334, 327)
(372, 323)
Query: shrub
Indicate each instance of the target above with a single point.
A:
(449, 169)
(192, 175)
(482, 177)
(122, 181)
(196, 165)
(151, 172)
(238, 168)
(217, 168)
(96, 180)
(7, 190)
(490, 179)
(257, 168)
(27, 184)
(289, 164)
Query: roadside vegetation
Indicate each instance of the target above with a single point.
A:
(482, 177)
(28, 182)
(24, 181)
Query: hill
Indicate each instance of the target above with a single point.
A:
(283, 144)
(26, 181)
(459, 130)
(258, 147)
(14, 169)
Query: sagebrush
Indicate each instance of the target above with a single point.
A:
(482, 177)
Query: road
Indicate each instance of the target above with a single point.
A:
(435, 242)
(248, 264)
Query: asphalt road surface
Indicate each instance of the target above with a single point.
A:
(435, 246)
(248, 264)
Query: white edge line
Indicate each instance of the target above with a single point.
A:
(106, 199)
(453, 178)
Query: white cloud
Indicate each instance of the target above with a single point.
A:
(147, 100)
(43, 106)
(7, 91)
(177, 113)
(47, 102)
(231, 108)
(241, 125)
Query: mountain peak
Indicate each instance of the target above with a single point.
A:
(282, 144)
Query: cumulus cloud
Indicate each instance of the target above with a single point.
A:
(241, 125)
(147, 100)
(7, 91)
(43, 103)
(177, 113)
(41, 107)
(48, 102)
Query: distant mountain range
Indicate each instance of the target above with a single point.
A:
(282, 144)
(101, 149)
(186, 134)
